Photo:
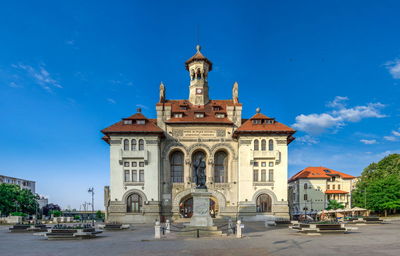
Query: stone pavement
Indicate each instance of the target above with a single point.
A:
(368, 240)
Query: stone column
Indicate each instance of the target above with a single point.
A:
(187, 172)
(157, 230)
(239, 229)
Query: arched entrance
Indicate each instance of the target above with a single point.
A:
(264, 203)
(186, 207)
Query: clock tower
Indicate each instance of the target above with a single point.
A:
(198, 67)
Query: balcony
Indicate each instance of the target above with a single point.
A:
(275, 154)
(137, 154)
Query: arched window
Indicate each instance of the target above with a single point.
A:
(256, 145)
(126, 144)
(220, 167)
(134, 203)
(176, 161)
(133, 145)
(305, 186)
(263, 203)
(270, 145)
(141, 144)
(263, 145)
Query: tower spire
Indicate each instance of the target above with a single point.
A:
(198, 67)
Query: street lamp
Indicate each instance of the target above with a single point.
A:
(91, 190)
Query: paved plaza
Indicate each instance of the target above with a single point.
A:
(367, 240)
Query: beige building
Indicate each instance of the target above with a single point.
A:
(151, 160)
(311, 189)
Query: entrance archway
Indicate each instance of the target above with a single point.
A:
(186, 207)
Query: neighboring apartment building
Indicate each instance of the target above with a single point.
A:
(23, 184)
(152, 160)
(311, 189)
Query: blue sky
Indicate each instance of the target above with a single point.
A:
(330, 69)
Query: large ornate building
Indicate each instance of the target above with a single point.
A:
(151, 160)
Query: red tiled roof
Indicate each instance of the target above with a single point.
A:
(336, 192)
(208, 110)
(318, 173)
(150, 126)
(198, 56)
(249, 127)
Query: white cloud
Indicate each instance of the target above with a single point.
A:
(390, 138)
(394, 68)
(395, 133)
(336, 118)
(307, 139)
(368, 142)
(14, 85)
(41, 76)
(112, 101)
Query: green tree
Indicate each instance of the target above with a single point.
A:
(379, 186)
(15, 199)
(334, 205)
(99, 215)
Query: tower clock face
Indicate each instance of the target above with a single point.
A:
(199, 91)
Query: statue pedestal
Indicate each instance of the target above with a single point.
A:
(201, 208)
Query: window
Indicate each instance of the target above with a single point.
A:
(219, 115)
(305, 186)
(263, 203)
(127, 121)
(255, 164)
(140, 121)
(126, 144)
(176, 162)
(263, 145)
(333, 179)
(328, 187)
(338, 186)
(263, 164)
(134, 176)
(333, 187)
(263, 175)
(305, 197)
(255, 175)
(141, 164)
(271, 164)
(256, 121)
(134, 203)
(183, 107)
(178, 115)
(141, 175)
(270, 145)
(220, 167)
(133, 145)
(256, 145)
(127, 179)
(199, 115)
(271, 175)
(134, 164)
(141, 144)
(216, 108)
(126, 164)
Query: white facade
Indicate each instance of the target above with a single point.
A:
(244, 179)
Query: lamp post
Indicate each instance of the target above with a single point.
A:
(91, 190)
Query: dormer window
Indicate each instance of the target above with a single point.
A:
(178, 115)
(216, 108)
(199, 115)
(183, 107)
(140, 121)
(127, 121)
(256, 121)
(269, 121)
(219, 115)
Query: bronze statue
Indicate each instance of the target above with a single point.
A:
(200, 172)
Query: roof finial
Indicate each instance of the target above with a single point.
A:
(198, 48)
(139, 110)
(258, 110)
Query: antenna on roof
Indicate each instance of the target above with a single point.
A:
(198, 34)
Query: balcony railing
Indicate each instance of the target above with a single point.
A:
(137, 154)
(258, 154)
